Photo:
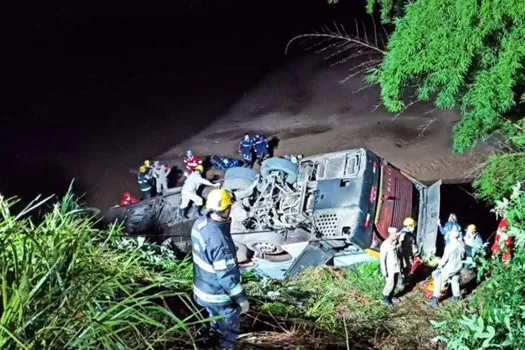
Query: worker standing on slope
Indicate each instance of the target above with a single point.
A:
(390, 264)
(407, 247)
(191, 161)
(245, 148)
(451, 224)
(216, 276)
(144, 181)
(189, 191)
(160, 173)
(473, 241)
(261, 147)
(503, 240)
(449, 267)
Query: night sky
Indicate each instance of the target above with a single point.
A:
(64, 66)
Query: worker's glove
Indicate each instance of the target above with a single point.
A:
(245, 306)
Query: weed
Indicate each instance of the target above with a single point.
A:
(64, 284)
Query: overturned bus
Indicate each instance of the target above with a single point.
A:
(336, 202)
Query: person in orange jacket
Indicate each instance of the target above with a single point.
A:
(127, 200)
(498, 243)
(191, 161)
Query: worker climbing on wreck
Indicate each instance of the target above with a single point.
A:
(160, 173)
(144, 181)
(216, 277)
(191, 161)
(189, 192)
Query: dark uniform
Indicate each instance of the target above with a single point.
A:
(261, 147)
(245, 148)
(144, 181)
(216, 277)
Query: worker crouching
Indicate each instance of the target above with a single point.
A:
(449, 268)
(390, 264)
(216, 276)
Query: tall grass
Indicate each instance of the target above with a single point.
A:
(65, 284)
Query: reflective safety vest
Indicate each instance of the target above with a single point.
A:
(245, 146)
(261, 144)
(144, 182)
(216, 275)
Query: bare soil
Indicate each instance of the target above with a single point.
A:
(305, 109)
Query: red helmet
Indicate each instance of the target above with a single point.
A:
(127, 194)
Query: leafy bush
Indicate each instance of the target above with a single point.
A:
(459, 53)
(64, 286)
(496, 318)
(500, 175)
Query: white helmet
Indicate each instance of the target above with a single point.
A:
(189, 154)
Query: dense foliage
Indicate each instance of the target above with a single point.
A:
(496, 317)
(65, 284)
(497, 179)
(459, 53)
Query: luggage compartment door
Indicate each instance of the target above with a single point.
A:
(429, 203)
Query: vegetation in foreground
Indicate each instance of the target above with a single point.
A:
(65, 284)
(347, 303)
(495, 317)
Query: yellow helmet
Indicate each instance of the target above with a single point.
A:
(472, 228)
(142, 169)
(199, 168)
(409, 222)
(219, 200)
(147, 163)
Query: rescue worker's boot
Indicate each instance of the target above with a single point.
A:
(433, 302)
(197, 210)
(387, 301)
(455, 299)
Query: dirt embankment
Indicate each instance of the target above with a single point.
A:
(306, 108)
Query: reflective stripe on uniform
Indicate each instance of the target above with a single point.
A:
(238, 289)
(202, 264)
(211, 298)
(145, 189)
(223, 264)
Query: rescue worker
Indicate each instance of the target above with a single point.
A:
(160, 173)
(189, 191)
(473, 241)
(144, 181)
(191, 161)
(149, 168)
(451, 224)
(449, 268)
(500, 241)
(261, 147)
(408, 250)
(127, 200)
(245, 148)
(390, 264)
(216, 276)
